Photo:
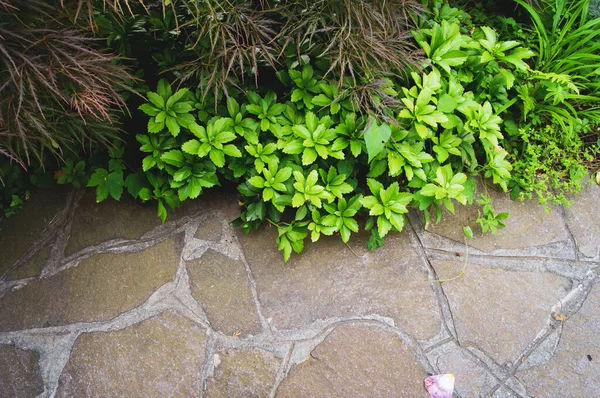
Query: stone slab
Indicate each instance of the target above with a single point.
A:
(33, 267)
(94, 223)
(529, 224)
(99, 288)
(159, 357)
(583, 218)
(574, 371)
(328, 280)
(471, 378)
(19, 232)
(499, 311)
(210, 228)
(244, 373)
(19, 372)
(356, 361)
(220, 284)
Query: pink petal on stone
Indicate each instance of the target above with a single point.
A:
(440, 386)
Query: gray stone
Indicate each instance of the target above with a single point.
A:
(328, 280)
(244, 373)
(356, 361)
(159, 357)
(210, 227)
(528, 225)
(95, 223)
(499, 311)
(471, 378)
(218, 200)
(583, 218)
(575, 369)
(33, 267)
(19, 232)
(221, 286)
(19, 373)
(99, 288)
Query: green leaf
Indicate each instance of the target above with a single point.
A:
(174, 158)
(376, 137)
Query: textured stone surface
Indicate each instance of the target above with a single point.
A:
(19, 373)
(221, 286)
(98, 222)
(243, 373)
(472, 380)
(357, 361)
(575, 368)
(17, 233)
(159, 357)
(583, 218)
(31, 268)
(499, 311)
(329, 280)
(528, 225)
(99, 288)
(210, 227)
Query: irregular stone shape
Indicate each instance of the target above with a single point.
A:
(472, 380)
(356, 361)
(210, 227)
(31, 268)
(99, 288)
(159, 357)
(223, 200)
(19, 372)
(575, 369)
(95, 223)
(221, 286)
(19, 232)
(583, 218)
(528, 225)
(327, 280)
(243, 373)
(499, 311)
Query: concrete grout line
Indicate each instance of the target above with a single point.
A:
(442, 300)
(563, 217)
(208, 364)
(283, 370)
(250, 276)
(568, 306)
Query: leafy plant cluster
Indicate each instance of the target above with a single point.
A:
(311, 163)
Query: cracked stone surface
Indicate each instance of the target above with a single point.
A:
(575, 367)
(357, 361)
(528, 225)
(247, 372)
(583, 218)
(329, 280)
(37, 216)
(220, 284)
(158, 357)
(104, 300)
(19, 372)
(499, 321)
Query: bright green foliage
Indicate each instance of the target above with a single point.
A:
(312, 140)
(447, 186)
(291, 237)
(273, 182)
(376, 137)
(212, 141)
(341, 216)
(107, 183)
(308, 190)
(388, 204)
(306, 87)
(335, 183)
(266, 109)
(168, 109)
(487, 219)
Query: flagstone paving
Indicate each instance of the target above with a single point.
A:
(105, 301)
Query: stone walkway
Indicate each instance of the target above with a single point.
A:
(104, 301)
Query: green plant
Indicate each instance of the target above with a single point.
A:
(487, 217)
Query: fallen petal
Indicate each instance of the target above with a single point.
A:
(440, 386)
